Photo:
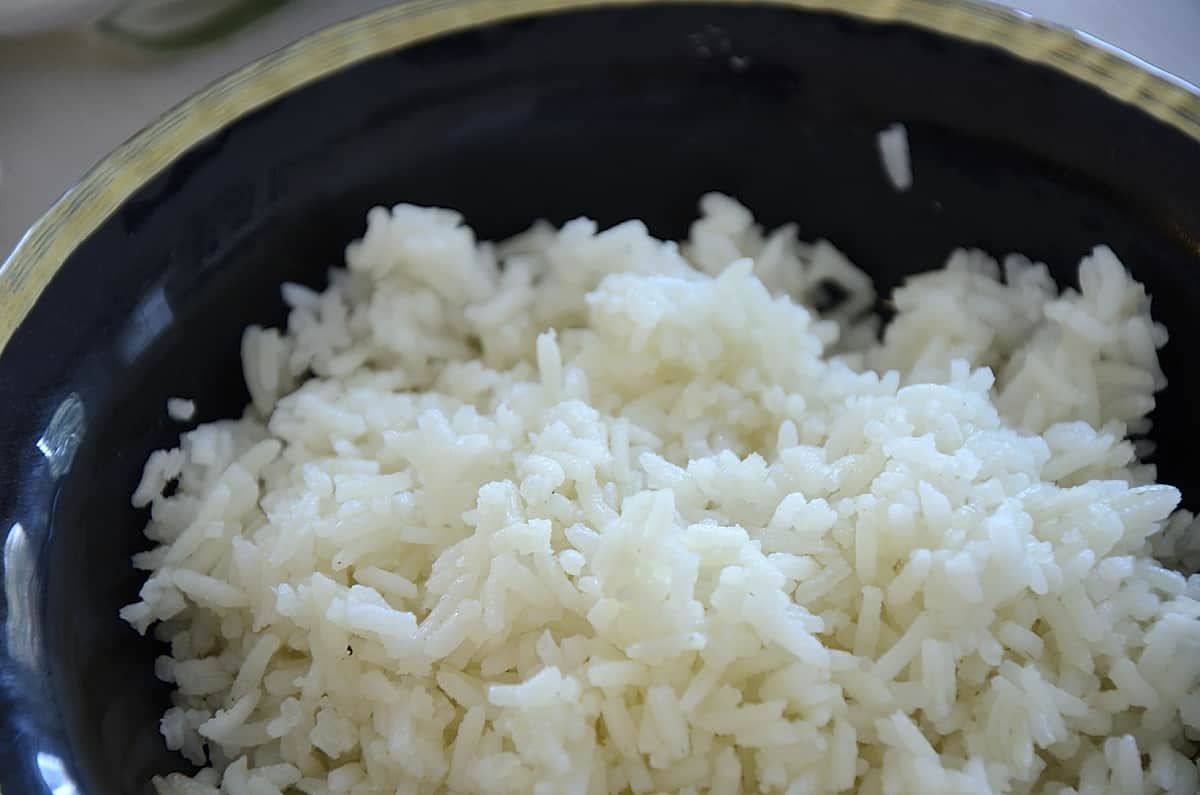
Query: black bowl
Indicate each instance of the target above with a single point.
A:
(137, 285)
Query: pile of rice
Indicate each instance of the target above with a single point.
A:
(588, 512)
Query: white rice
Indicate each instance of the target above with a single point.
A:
(181, 409)
(893, 151)
(588, 512)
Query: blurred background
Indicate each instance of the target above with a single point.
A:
(77, 77)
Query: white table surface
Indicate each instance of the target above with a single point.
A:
(67, 99)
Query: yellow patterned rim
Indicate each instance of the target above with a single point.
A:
(85, 207)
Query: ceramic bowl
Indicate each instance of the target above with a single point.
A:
(137, 285)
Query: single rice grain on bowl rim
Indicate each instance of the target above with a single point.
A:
(588, 512)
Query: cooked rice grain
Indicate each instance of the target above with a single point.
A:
(584, 511)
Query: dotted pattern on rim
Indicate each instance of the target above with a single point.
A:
(82, 209)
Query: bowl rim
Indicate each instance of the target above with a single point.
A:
(81, 210)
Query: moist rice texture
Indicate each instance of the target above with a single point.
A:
(589, 512)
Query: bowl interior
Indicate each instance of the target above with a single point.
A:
(617, 113)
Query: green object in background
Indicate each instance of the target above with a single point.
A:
(179, 24)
